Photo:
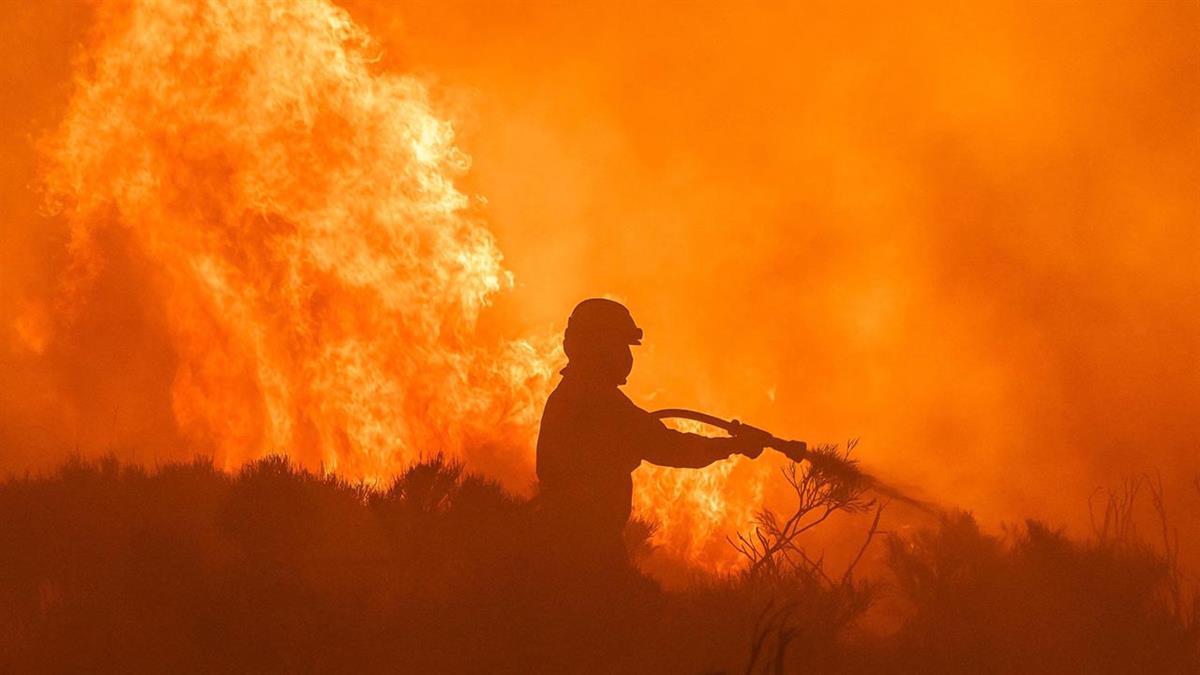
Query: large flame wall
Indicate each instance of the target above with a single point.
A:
(967, 234)
(319, 275)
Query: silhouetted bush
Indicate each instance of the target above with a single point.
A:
(1036, 602)
(110, 568)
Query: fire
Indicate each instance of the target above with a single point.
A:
(696, 509)
(322, 276)
(962, 243)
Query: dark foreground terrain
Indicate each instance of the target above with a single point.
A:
(111, 568)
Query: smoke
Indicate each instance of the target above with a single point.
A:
(967, 235)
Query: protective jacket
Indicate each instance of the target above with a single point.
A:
(592, 438)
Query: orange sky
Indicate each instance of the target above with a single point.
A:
(967, 234)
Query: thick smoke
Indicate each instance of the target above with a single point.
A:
(967, 234)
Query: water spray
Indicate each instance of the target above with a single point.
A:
(798, 451)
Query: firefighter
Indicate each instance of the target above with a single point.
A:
(592, 437)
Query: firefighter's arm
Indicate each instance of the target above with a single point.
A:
(668, 447)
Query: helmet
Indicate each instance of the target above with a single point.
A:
(601, 321)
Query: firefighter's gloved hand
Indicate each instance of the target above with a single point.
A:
(794, 450)
(751, 441)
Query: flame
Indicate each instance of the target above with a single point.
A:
(695, 509)
(322, 276)
(274, 245)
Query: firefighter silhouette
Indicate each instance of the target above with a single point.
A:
(592, 437)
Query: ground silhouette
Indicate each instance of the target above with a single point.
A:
(107, 567)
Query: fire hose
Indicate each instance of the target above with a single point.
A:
(798, 451)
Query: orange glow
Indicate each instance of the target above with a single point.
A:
(966, 233)
(321, 275)
(695, 509)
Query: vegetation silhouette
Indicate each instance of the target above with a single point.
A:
(106, 567)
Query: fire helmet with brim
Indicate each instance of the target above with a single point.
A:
(600, 321)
